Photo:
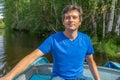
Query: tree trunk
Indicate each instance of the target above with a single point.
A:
(55, 10)
(117, 28)
(104, 14)
(110, 23)
(74, 2)
(94, 24)
(16, 13)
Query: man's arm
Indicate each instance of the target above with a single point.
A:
(23, 64)
(93, 67)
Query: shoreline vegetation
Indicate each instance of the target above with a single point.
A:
(2, 24)
(101, 20)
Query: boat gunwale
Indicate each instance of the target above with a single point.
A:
(104, 68)
(35, 66)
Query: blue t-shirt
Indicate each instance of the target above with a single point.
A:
(68, 55)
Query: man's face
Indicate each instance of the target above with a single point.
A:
(72, 20)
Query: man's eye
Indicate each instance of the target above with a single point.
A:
(67, 17)
(74, 17)
(71, 17)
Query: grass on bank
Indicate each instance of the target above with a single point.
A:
(2, 24)
(109, 47)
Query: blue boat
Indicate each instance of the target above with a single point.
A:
(41, 70)
(111, 64)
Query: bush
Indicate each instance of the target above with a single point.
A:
(108, 47)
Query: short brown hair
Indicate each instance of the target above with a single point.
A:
(72, 7)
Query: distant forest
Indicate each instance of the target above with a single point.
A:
(101, 19)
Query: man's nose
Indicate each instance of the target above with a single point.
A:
(71, 18)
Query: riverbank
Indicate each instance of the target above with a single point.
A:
(2, 24)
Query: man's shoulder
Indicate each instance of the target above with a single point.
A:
(83, 34)
(56, 34)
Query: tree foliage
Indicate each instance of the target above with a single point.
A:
(101, 18)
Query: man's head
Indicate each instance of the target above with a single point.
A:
(70, 8)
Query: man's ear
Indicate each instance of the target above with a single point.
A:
(80, 23)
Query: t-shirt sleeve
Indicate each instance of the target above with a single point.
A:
(90, 47)
(45, 47)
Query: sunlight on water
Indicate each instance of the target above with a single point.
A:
(2, 63)
(13, 47)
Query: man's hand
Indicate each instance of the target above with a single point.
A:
(5, 78)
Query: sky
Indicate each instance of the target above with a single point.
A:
(1, 11)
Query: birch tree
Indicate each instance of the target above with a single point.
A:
(93, 17)
(74, 2)
(117, 28)
(110, 23)
(104, 25)
(56, 15)
(16, 12)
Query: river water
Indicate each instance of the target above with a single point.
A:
(14, 46)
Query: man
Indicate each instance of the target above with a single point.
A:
(69, 49)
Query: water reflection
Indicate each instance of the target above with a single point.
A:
(13, 47)
(2, 57)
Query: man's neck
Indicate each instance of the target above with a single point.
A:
(71, 34)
